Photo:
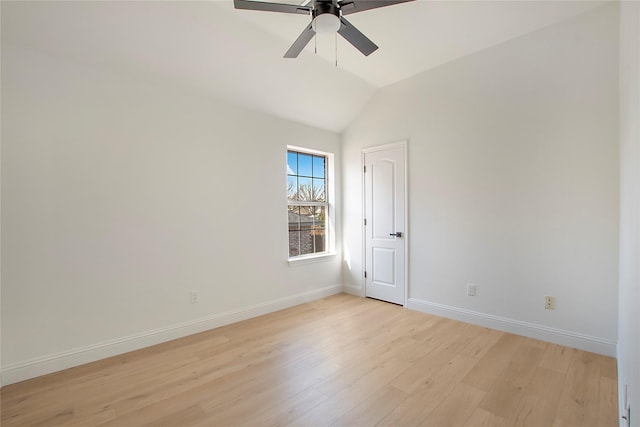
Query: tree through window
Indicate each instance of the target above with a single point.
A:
(307, 203)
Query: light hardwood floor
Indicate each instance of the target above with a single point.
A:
(341, 361)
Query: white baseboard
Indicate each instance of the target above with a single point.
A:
(79, 356)
(531, 330)
(353, 290)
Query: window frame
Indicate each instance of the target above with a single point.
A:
(329, 203)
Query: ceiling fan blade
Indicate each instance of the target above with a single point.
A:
(352, 6)
(356, 38)
(271, 7)
(303, 39)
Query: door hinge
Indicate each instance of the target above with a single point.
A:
(365, 221)
(365, 274)
(365, 169)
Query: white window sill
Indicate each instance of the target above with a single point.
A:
(309, 259)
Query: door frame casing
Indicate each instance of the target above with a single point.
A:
(399, 144)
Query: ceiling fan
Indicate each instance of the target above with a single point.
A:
(327, 17)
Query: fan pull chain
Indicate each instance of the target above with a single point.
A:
(335, 39)
(315, 44)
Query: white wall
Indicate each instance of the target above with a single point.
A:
(513, 182)
(120, 196)
(629, 292)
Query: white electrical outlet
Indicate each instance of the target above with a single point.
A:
(194, 297)
(471, 289)
(549, 303)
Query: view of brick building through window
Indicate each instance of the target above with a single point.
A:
(307, 203)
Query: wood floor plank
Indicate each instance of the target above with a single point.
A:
(608, 366)
(578, 405)
(435, 366)
(490, 367)
(256, 399)
(480, 344)
(607, 402)
(343, 361)
(374, 408)
(456, 408)
(285, 412)
(429, 391)
(557, 358)
(539, 399)
(509, 388)
(482, 418)
(183, 417)
(345, 396)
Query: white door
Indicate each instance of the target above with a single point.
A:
(384, 178)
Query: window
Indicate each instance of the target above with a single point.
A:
(308, 206)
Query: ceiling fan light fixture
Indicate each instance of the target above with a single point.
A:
(326, 23)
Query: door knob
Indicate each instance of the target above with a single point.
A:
(396, 234)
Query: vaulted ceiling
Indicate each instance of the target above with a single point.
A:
(236, 55)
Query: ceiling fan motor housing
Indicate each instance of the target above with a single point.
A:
(325, 6)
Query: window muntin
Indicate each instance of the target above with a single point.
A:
(307, 203)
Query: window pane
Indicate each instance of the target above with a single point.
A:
(294, 218)
(306, 212)
(310, 236)
(319, 190)
(304, 164)
(306, 230)
(319, 229)
(294, 231)
(318, 167)
(292, 163)
(305, 189)
(292, 188)
(294, 243)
